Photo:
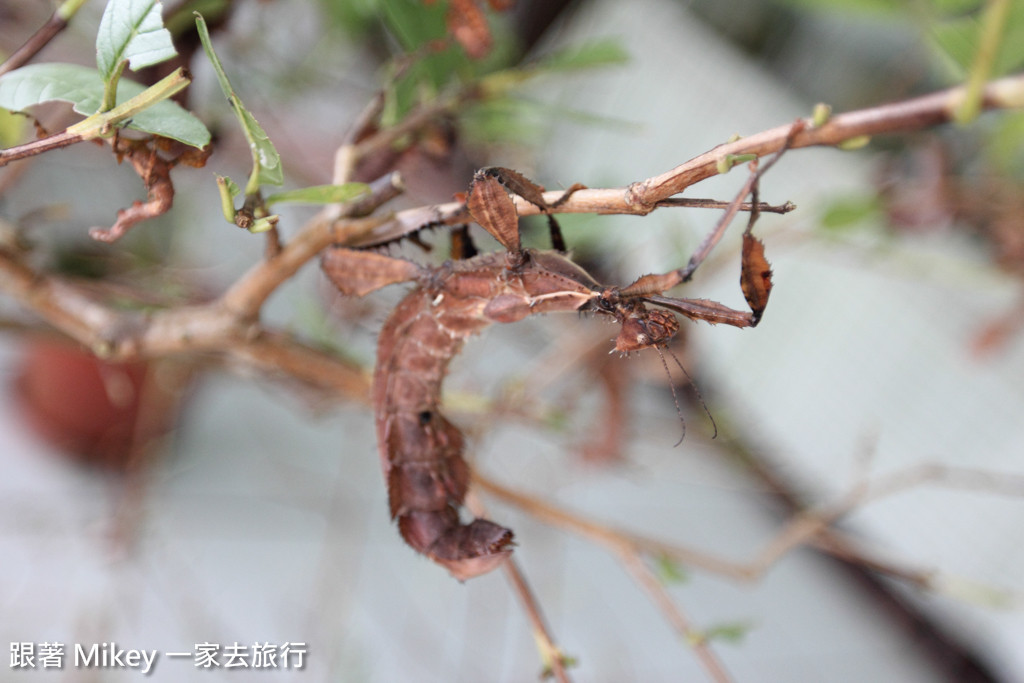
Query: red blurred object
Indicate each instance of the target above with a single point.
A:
(87, 407)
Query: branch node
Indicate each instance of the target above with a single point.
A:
(635, 198)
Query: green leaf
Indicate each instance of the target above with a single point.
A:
(848, 211)
(732, 632)
(669, 571)
(958, 40)
(227, 189)
(321, 194)
(266, 162)
(877, 7)
(597, 53)
(132, 30)
(83, 88)
(12, 127)
(414, 23)
(1004, 144)
(264, 224)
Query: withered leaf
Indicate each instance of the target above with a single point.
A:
(358, 273)
(755, 276)
(494, 210)
(519, 184)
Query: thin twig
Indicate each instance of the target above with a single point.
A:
(646, 579)
(30, 149)
(57, 22)
(551, 654)
(715, 236)
(698, 203)
(802, 529)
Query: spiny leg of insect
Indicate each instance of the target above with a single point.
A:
(649, 284)
(755, 280)
(660, 283)
(557, 240)
(751, 187)
(555, 230)
(462, 243)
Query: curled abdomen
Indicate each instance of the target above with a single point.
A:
(421, 451)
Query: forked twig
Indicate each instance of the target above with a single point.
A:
(749, 188)
(812, 527)
(647, 580)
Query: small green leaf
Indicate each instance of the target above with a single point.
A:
(83, 88)
(670, 571)
(132, 30)
(725, 164)
(266, 162)
(857, 142)
(227, 189)
(846, 212)
(320, 194)
(821, 114)
(733, 632)
(264, 224)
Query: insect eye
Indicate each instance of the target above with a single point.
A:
(425, 417)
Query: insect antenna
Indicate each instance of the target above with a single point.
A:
(675, 397)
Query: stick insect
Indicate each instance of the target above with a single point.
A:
(421, 450)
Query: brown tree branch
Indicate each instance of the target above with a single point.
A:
(246, 296)
(644, 196)
(36, 42)
(29, 149)
(118, 334)
(231, 320)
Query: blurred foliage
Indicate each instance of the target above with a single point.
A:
(857, 53)
(424, 64)
(12, 127)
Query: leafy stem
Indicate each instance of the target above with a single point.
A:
(110, 86)
(992, 30)
(266, 162)
(102, 122)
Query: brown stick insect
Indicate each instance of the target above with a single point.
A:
(420, 450)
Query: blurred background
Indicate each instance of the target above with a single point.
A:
(182, 501)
